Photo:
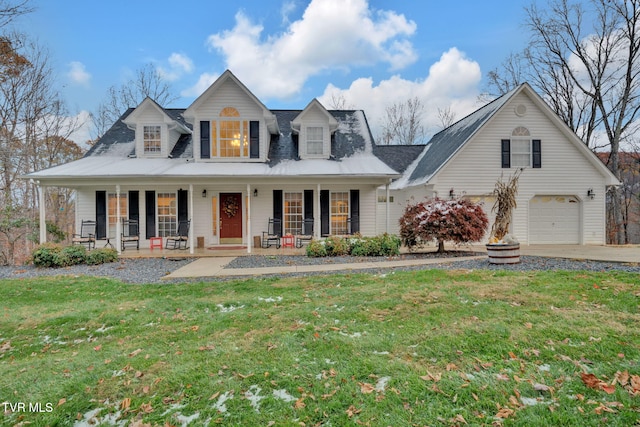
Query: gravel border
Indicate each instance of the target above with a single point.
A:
(152, 270)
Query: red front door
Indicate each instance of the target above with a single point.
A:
(231, 217)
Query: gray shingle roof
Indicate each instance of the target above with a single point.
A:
(398, 157)
(446, 143)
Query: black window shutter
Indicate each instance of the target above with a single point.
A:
(308, 204)
(150, 209)
(205, 140)
(506, 153)
(101, 214)
(183, 207)
(254, 139)
(354, 201)
(134, 205)
(324, 212)
(537, 154)
(277, 211)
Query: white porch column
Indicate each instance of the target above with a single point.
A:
(191, 224)
(386, 187)
(249, 237)
(317, 223)
(118, 220)
(42, 213)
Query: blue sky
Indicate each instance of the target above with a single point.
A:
(372, 53)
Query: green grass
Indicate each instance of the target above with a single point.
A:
(420, 348)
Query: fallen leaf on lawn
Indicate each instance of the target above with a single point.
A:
(244, 377)
(451, 367)
(62, 401)
(97, 348)
(603, 408)
(146, 389)
(505, 413)
(635, 383)
(135, 352)
(502, 377)
(458, 419)
(300, 403)
(608, 388)
(541, 387)
(512, 355)
(146, 408)
(207, 347)
(366, 388)
(431, 377)
(352, 410)
(125, 404)
(139, 374)
(195, 328)
(5, 346)
(214, 395)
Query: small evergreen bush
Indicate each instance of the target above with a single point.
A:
(101, 256)
(51, 255)
(316, 249)
(71, 255)
(336, 246)
(46, 255)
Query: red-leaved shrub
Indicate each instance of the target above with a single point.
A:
(457, 221)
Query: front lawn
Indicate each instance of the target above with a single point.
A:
(411, 348)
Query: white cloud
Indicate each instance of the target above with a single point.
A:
(78, 74)
(452, 82)
(331, 35)
(179, 64)
(203, 84)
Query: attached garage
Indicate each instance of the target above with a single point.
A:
(554, 220)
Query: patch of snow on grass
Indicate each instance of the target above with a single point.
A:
(104, 328)
(382, 384)
(184, 420)
(270, 299)
(253, 396)
(353, 335)
(220, 404)
(89, 418)
(172, 408)
(228, 309)
(283, 395)
(380, 353)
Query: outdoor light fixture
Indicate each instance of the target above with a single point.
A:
(255, 192)
(452, 193)
(204, 193)
(591, 194)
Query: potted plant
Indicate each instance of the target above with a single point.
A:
(504, 248)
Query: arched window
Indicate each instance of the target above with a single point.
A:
(520, 147)
(230, 134)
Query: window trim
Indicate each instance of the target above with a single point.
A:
(172, 229)
(112, 227)
(145, 146)
(286, 215)
(346, 197)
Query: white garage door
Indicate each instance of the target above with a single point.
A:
(554, 219)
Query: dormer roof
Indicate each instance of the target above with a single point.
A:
(314, 105)
(190, 112)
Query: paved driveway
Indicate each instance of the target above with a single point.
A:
(626, 253)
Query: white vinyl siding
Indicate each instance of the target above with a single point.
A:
(477, 166)
(230, 95)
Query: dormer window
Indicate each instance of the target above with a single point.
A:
(229, 137)
(315, 141)
(152, 139)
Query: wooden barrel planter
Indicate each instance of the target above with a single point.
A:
(503, 254)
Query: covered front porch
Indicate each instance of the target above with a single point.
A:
(220, 251)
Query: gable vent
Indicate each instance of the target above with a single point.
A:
(521, 110)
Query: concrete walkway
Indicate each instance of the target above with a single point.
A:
(215, 267)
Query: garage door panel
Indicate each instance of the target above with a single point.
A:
(554, 219)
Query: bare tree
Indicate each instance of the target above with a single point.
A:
(402, 124)
(584, 58)
(32, 123)
(10, 10)
(146, 83)
(339, 102)
(446, 116)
